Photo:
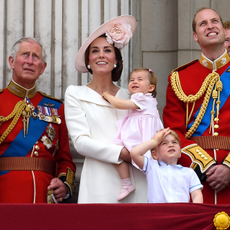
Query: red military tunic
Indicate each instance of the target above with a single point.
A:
(191, 77)
(52, 144)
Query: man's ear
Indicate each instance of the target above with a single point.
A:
(11, 62)
(195, 37)
(43, 68)
(224, 31)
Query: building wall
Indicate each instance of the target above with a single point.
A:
(162, 41)
(157, 38)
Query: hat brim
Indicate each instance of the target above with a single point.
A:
(80, 59)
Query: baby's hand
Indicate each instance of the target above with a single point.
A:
(105, 95)
(159, 136)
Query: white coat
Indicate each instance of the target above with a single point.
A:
(91, 122)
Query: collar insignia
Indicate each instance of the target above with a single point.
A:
(49, 105)
(216, 64)
(20, 91)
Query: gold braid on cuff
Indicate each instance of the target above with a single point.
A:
(199, 156)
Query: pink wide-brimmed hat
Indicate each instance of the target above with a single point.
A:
(118, 31)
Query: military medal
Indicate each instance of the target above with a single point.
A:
(48, 114)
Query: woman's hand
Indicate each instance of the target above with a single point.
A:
(125, 155)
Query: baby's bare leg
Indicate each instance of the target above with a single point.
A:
(123, 170)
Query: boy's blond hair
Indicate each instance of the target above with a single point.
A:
(174, 134)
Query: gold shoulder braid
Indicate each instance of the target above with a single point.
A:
(22, 108)
(213, 79)
(15, 114)
(45, 95)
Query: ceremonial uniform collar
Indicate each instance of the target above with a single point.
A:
(20, 91)
(216, 64)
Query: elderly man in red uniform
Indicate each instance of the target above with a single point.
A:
(198, 108)
(35, 161)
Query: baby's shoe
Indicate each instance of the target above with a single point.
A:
(126, 188)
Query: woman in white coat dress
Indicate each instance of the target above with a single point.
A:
(91, 120)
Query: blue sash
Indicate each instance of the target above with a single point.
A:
(21, 146)
(224, 94)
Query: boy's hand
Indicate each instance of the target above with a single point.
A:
(159, 136)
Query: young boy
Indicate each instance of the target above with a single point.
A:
(167, 180)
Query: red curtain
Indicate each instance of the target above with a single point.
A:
(179, 216)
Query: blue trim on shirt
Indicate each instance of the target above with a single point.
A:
(196, 186)
(146, 163)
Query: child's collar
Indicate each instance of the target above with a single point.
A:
(162, 163)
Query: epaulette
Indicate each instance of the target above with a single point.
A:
(1, 90)
(184, 66)
(54, 98)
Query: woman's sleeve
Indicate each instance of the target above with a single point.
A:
(79, 131)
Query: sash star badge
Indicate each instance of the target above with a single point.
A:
(47, 142)
(51, 132)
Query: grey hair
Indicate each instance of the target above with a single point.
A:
(15, 47)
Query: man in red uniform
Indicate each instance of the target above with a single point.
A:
(198, 108)
(35, 161)
(227, 36)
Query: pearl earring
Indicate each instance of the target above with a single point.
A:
(115, 66)
(88, 66)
